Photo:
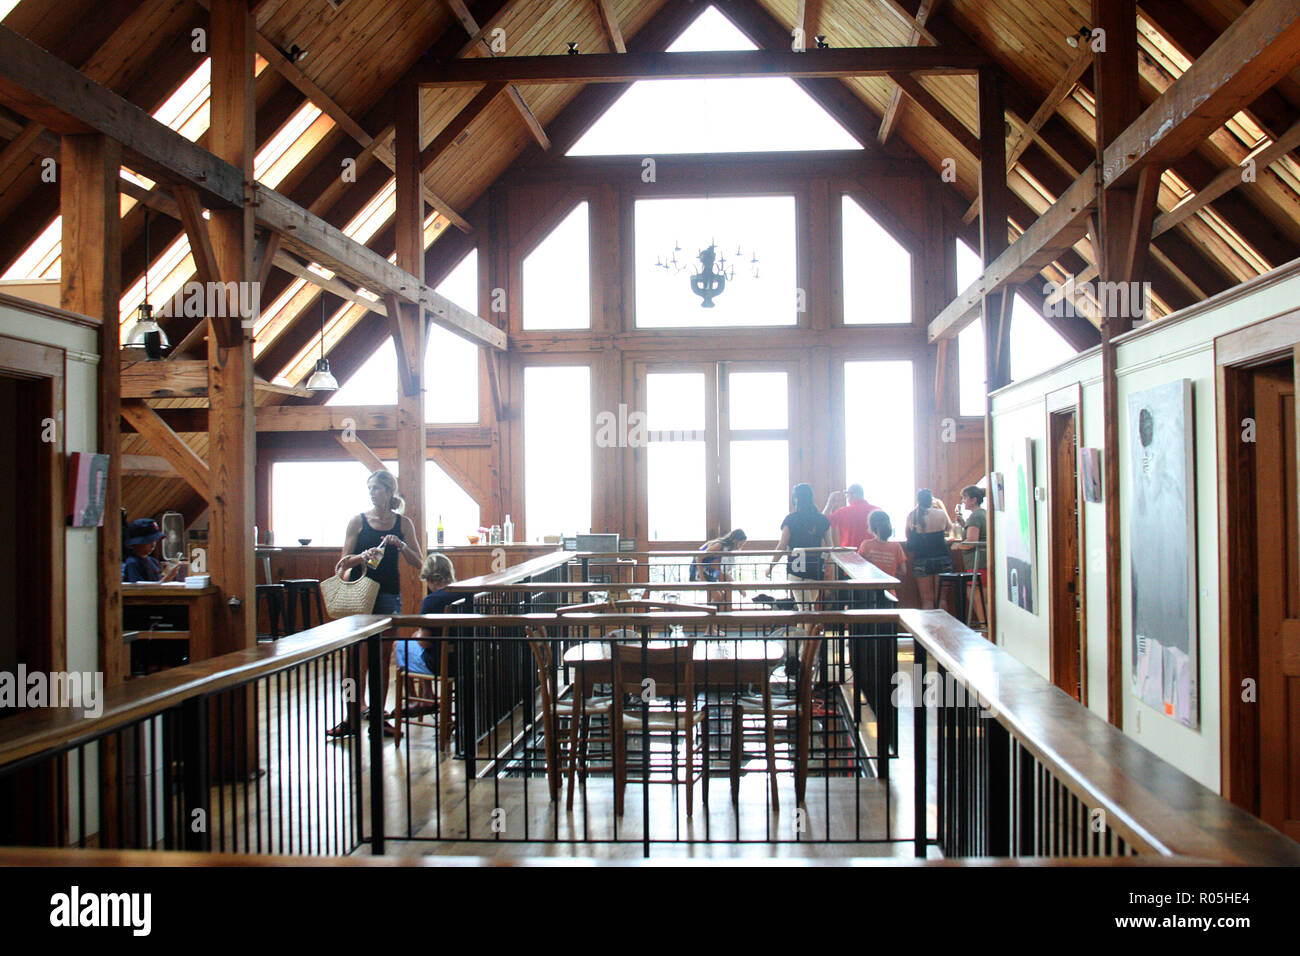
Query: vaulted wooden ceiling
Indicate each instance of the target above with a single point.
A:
(357, 50)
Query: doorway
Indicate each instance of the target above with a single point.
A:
(1260, 582)
(1068, 650)
(31, 560)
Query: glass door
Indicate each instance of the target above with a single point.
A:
(716, 452)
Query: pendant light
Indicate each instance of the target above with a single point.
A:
(145, 334)
(322, 380)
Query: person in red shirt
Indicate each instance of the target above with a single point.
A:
(849, 522)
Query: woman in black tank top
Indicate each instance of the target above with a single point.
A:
(384, 533)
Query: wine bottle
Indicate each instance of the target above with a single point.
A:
(440, 531)
(508, 531)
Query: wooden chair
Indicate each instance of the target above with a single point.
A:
(631, 663)
(429, 693)
(566, 752)
(797, 707)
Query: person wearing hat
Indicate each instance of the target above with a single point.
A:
(142, 537)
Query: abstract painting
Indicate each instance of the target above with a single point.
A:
(1162, 546)
(1021, 525)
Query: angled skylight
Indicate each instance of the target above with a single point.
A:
(761, 114)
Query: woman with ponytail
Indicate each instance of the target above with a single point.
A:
(927, 544)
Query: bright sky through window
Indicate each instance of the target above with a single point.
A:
(713, 116)
(1035, 345)
(450, 362)
(557, 276)
(558, 437)
(744, 228)
(877, 271)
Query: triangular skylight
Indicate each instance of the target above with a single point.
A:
(713, 116)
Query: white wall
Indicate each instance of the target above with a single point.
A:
(1180, 346)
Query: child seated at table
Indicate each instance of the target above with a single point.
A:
(887, 555)
(437, 573)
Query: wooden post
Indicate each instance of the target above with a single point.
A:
(91, 283)
(231, 436)
(411, 445)
(1115, 82)
(994, 200)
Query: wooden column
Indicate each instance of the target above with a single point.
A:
(994, 203)
(231, 425)
(91, 283)
(411, 448)
(1115, 82)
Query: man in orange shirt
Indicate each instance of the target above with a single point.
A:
(849, 521)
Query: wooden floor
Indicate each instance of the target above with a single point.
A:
(304, 803)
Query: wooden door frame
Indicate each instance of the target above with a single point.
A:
(34, 361)
(1068, 400)
(1236, 355)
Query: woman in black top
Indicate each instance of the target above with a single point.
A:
(804, 527)
(927, 546)
(384, 534)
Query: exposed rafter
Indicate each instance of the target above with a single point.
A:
(630, 67)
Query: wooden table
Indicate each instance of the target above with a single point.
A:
(719, 662)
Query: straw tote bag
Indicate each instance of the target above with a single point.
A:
(343, 598)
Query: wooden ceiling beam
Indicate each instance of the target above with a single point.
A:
(609, 22)
(327, 105)
(890, 118)
(1029, 131)
(631, 67)
(34, 82)
(171, 446)
(359, 450)
(461, 12)
(1227, 180)
(1259, 48)
(1054, 232)
(937, 111)
(182, 378)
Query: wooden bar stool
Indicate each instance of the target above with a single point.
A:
(964, 585)
(272, 596)
(302, 591)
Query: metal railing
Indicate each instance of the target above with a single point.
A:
(230, 755)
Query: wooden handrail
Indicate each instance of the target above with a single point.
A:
(1155, 806)
(860, 570)
(35, 731)
(1152, 805)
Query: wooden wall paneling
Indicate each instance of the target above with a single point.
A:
(90, 281)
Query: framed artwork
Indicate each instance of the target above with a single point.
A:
(1090, 473)
(1162, 548)
(1021, 527)
(87, 487)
